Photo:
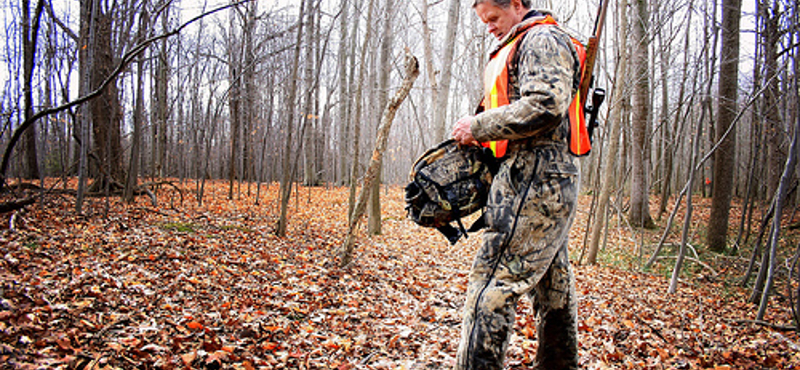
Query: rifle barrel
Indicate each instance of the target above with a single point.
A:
(591, 52)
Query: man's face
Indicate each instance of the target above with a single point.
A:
(499, 20)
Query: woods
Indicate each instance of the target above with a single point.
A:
(153, 102)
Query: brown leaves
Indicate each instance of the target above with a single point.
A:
(212, 287)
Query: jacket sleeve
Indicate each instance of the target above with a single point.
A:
(547, 77)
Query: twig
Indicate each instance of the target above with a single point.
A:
(151, 210)
(654, 330)
(701, 263)
(764, 323)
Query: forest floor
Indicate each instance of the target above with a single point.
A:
(181, 285)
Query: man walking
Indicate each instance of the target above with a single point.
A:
(529, 83)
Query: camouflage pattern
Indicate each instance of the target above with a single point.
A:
(543, 77)
(448, 182)
(529, 212)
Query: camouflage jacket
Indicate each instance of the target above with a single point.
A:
(544, 75)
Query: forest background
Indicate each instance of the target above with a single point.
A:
(141, 104)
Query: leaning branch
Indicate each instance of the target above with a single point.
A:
(345, 251)
(125, 61)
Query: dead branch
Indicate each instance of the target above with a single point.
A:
(16, 204)
(764, 323)
(695, 260)
(144, 189)
(345, 251)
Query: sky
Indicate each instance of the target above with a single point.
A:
(191, 8)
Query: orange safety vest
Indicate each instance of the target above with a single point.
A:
(495, 83)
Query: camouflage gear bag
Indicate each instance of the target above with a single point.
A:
(448, 182)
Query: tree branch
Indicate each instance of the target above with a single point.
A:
(60, 24)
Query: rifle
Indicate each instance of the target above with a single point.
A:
(587, 77)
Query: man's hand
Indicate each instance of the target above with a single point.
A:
(462, 132)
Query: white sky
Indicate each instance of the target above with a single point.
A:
(191, 8)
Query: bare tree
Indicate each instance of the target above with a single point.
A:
(672, 133)
(312, 118)
(107, 110)
(161, 81)
(30, 36)
(288, 175)
(673, 285)
(771, 13)
(342, 118)
(385, 71)
(615, 121)
(88, 37)
(724, 158)
(771, 260)
(640, 149)
(236, 92)
(427, 44)
(443, 95)
(362, 67)
(250, 95)
(138, 111)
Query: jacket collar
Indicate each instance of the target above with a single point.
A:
(532, 16)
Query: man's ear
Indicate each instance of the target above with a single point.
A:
(517, 5)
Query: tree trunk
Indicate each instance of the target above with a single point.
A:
(288, 176)
(671, 147)
(138, 113)
(311, 116)
(640, 152)
(443, 95)
(264, 149)
(161, 104)
(725, 156)
(362, 67)
(774, 131)
(428, 47)
(106, 110)
(385, 72)
(780, 198)
(754, 148)
(30, 35)
(687, 220)
(615, 121)
(250, 110)
(89, 9)
(344, 41)
(234, 102)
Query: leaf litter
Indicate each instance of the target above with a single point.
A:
(212, 287)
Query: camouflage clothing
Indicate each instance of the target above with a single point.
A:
(529, 212)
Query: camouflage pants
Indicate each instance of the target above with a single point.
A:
(524, 252)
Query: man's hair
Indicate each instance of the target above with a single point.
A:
(503, 3)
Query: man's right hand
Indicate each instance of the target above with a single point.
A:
(462, 131)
